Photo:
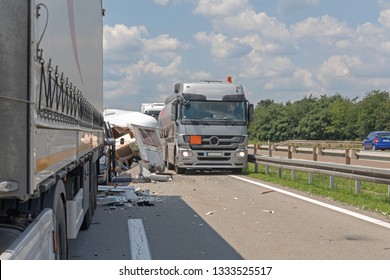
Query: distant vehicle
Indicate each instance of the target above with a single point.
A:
(152, 109)
(377, 140)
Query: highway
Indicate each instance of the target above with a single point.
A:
(216, 216)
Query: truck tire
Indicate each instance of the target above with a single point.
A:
(55, 199)
(237, 170)
(179, 170)
(93, 180)
(61, 236)
(170, 166)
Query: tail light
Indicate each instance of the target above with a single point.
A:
(376, 140)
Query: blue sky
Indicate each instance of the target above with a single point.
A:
(277, 49)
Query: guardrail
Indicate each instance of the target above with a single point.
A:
(357, 173)
(316, 150)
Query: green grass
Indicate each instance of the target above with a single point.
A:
(373, 197)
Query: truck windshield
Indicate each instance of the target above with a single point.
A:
(214, 111)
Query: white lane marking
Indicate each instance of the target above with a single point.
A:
(335, 208)
(139, 247)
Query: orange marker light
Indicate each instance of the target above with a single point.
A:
(195, 140)
(229, 79)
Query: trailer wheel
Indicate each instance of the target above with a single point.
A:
(55, 199)
(93, 180)
(61, 236)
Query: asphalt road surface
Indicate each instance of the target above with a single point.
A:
(217, 216)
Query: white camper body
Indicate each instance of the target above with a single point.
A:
(146, 132)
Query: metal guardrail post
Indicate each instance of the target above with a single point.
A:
(358, 187)
(347, 157)
(255, 152)
(270, 150)
(331, 182)
(310, 178)
(289, 151)
(315, 156)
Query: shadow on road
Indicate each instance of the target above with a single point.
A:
(174, 232)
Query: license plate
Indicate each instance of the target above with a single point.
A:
(213, 154)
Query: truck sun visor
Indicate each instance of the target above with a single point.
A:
(233, 97)
(194, 97)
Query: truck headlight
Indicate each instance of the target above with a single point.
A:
(186, 153)
(240, 154)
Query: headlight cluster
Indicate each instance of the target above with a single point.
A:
(186, 153)
(240, 154)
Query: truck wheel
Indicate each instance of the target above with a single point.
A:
(237, 170)
(53, 199)
(179, 170)
(61, 236)
(92, 197)
(170, 166)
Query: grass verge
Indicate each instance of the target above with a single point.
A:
(373, 197)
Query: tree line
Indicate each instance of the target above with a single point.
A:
(321, 118)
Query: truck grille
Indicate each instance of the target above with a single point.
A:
(213, 142)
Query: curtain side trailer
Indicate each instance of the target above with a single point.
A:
(52, 128)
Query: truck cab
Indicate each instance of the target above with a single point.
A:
(204, 125)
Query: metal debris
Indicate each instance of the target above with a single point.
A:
(269, 211)
(124, 196)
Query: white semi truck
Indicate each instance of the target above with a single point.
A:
(152, 109)
(204, 126)
(52, 127)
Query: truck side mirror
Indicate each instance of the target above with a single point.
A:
(173, 111)
(250, 112)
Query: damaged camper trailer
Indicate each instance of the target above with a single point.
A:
(137, 138)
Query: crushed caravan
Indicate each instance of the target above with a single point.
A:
(129, 126)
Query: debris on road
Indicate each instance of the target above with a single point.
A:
(124, 196)
(269, 191)
(269, 211)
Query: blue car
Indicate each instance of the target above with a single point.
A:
(377, 140)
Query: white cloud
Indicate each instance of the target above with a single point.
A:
(256, 23)
(161, 2)
(385, 46)
(384, 18)
(337, 67)
(325, 26)
(223, 46)
(220, 8)
(162, 43)
(121, 37)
